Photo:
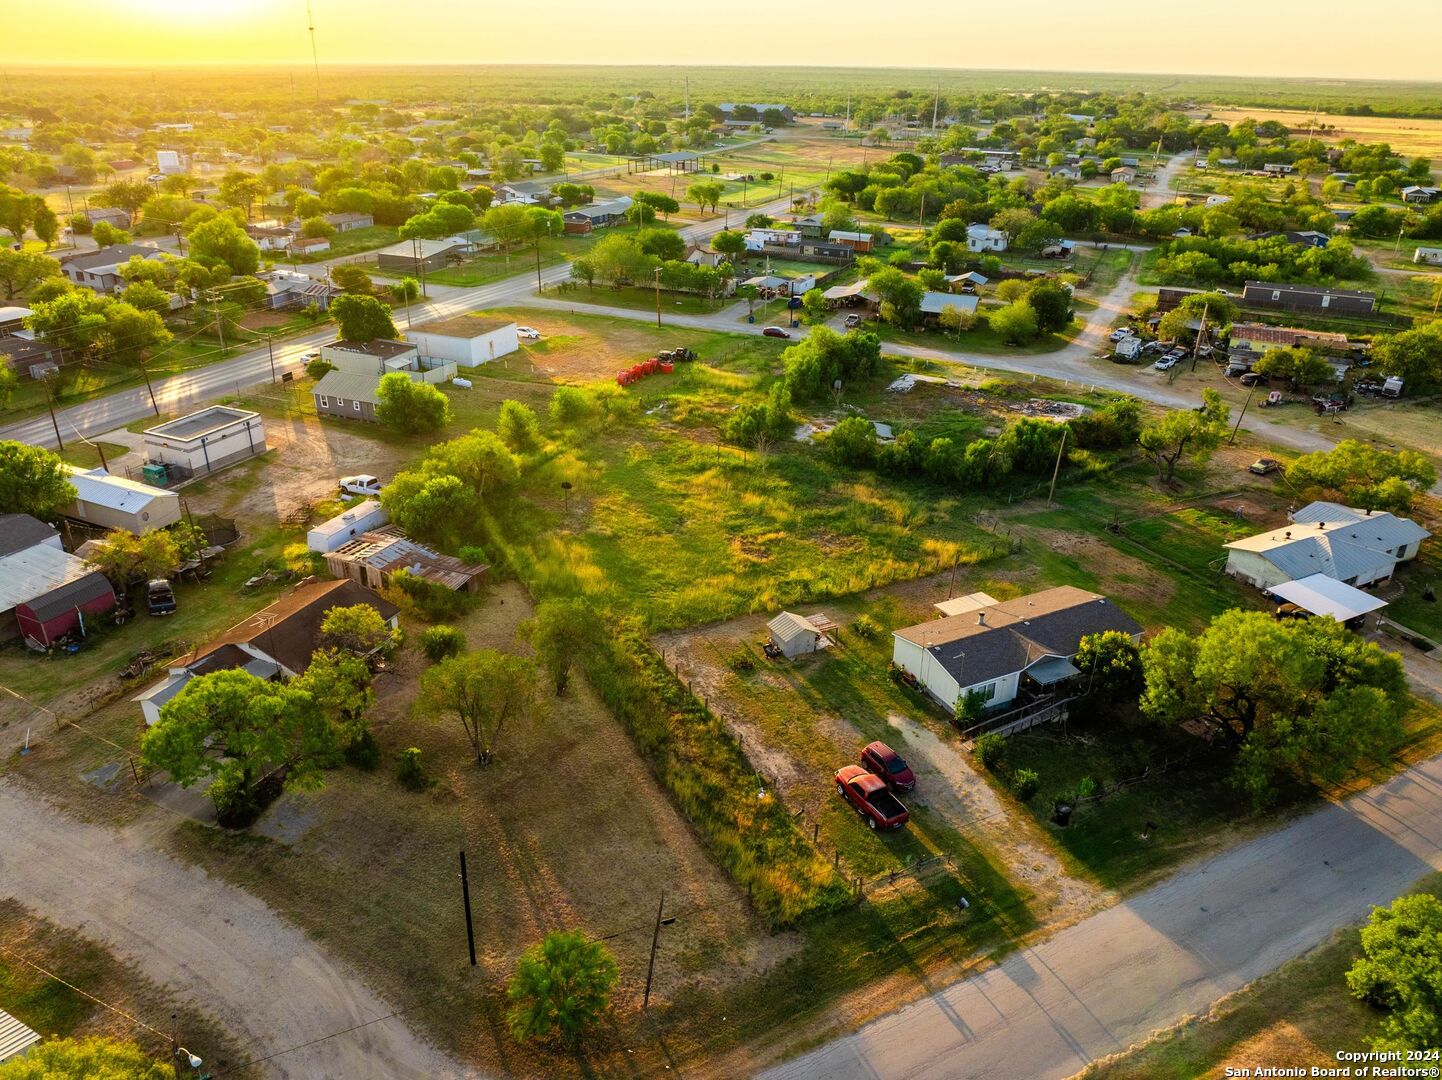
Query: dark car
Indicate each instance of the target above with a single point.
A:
(160, 597)
(1254, 378)
(881, 760)
(775, 331)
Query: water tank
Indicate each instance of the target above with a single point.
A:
(458, 381)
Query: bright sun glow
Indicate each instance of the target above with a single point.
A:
(190, 10)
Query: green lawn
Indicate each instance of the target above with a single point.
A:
(354, 242)
(1412, 609)
(640, 298)
(980, 339)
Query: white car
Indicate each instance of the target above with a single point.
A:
(528, 333)
(360, 485)
(1121, 334)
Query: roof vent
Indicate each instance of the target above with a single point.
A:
(1369, 511)
(1321, 525)
(1288, 536)
(981, 618)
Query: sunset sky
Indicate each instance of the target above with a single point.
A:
(1228, 37)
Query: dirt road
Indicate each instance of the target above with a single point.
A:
(276, 991)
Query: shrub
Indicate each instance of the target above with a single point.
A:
(990, 750)
(235, 800)
(431, 600)
(867, 628)
(1024, 783)
(363, 752)
(409, 770)
(741, 660)
(439, 642)
(317, 368)
(473, 553)
(569, 406)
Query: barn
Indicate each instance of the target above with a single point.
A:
(51, 592)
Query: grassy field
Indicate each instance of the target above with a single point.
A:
(354, 242)
(640, 298)
(1298, 1016)
(1411, 136)
(54, 1010)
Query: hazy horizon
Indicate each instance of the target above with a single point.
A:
(1235, 38)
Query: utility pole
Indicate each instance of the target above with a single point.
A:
(655, 941)
(1250, 391)
(1057, 467)
(923, 210)
(314, 56)
(270, 345)
(175, 1046)
(1200, 331)
(50, 404)
(466, 898)
(658, 296)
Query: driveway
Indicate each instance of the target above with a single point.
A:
(1110, 981)
(261, 978)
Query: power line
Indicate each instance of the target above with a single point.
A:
(85, 994)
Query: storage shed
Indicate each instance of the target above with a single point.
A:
(466, 339)
(55, 613)
(796, 635)
(15, 1037)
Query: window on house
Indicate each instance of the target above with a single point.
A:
(324, 402)
(1276, 294)
(987, 692)
(357, 405)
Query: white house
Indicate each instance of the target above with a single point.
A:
(1432, 256)
(995, 649)
(346, 526)
(205, 441)
(757, 239)
(113, 502)
(465, 339)
(1356, 547)
(981, 237)
(171, 162)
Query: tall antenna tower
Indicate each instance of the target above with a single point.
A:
(314, 56)
(935, 104)
(688, 97)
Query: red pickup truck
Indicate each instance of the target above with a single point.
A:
(870, 797)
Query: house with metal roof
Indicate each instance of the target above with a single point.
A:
(980, 237)
(117, 502)
(597, 215)
(276, 642)
(934, 303)
(15, 1037)
(1356, 547)
(999, 649)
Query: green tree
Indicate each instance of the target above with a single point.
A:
(127, 195)
(1111, 665)
(899, 294)
(441, 641)
(146, 296)
(706, 193)
(350, 278)
(9, 385)
(108, 235)
(1400, 970)
(813, 302)
(1186, 434)
(33, 481)
(338, 684)
(315, 227)
(20, 270)
(1052, 305)
(1414, 355)
(124, 557)
(1359, 474)
(853, 442)
(1300, 367)
(222, 240)
(407, 406)
(358, 629)
(1015, 324)
(90, 1058)
(238, 730)
(664, 244)
(439, 509)
(563, 632)
(1305, 699)
(728, 243)
(561, 986)
(483, 690)
(362, 318)
(518, 427)
(480, 459)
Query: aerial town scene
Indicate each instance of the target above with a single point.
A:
(715, 546)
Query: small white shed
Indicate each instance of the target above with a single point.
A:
(345, 527)
(796, 635)
(113, 502)
(465, 339)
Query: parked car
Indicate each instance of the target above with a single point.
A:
(159, 597)
(853, 320)
(1265, 465)
(871, 798)
(1120, 333)
(1254, 378)
(362, 484)
(528, 333)
(1167, 362)
(1152, 348)
(1176, 353)
(775, 331)
(881, 760)
(1204, 351)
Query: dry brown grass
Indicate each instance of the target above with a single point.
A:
(1406, 135)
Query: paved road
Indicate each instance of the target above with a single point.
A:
(261, 978)
(1111, 980)
(99, 415)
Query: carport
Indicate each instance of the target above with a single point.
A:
(1054, 669)
(1319, 594)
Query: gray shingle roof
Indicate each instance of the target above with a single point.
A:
(20, 531)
